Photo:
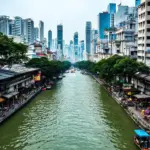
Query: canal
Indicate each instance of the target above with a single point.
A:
(77, 114)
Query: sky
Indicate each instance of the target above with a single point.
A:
(71, 13)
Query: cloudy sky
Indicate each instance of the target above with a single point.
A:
(71, 13)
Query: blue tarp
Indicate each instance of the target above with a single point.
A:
(141, 133)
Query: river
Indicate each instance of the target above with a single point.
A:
(78, 114)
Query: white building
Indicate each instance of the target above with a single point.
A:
(41, 30)
(17, 39)
(144, 32)
(18, 26)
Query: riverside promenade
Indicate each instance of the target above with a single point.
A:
(131, 111)
(11, 111)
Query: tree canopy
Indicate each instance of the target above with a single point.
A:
(114, 66)
(49, 68)
(11, 52)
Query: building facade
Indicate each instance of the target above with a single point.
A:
(60, 37)
(50, 39)
(137, 3)
(36, 34)
(111, 10)
(18, 26)
(29, 31)
(103, 23)
(4, 25)
(76, 44)
(144, 32)
(41, 29)
(88, 36)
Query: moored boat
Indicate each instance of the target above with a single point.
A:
(49, 87)
(60, 77)
(142, 139)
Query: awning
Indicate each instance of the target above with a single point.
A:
(2, 100)
(142, 96)
(8, 96)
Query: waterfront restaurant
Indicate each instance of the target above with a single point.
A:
(16, 85)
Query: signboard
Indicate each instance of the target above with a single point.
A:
(37, 77)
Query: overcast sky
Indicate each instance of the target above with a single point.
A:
(71, 13)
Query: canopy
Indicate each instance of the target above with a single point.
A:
(141, 133)
(141, 96)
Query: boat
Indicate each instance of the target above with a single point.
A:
(43, 89)
(142, 139)
(72, 71)
(54, 78)
(64, 76)
(60, 77)
(67, 71)
(49, 87)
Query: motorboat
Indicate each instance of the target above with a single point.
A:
(54, 78)
(60, 77)
(67, 71)
(142, 139)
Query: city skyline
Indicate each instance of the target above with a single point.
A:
(72, 20)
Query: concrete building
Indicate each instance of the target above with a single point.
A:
(50, 39)
(41, 30)
(60, 37)
(103, 23)
(29, 31)
(4, 25)
(88, 37)
(111, 10)
(12, 29)
(144, 32)
(18, 26)
(76, 45)
(36, 34)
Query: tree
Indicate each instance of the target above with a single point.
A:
(11, 52)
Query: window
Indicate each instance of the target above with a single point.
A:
(148, 29)
(148, 21)
(148, 45)
(148, 37)
(148, 3)
(148, 12)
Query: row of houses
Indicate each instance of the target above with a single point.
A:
(17, 84)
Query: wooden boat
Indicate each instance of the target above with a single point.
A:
(43, 89)
(142, 139)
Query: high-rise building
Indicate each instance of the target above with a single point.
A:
(121, 16)
(112, 10)
(60, 37)
(4, 25)
(29, 31)
(36, 33)
(41, 29)
(12, 30)
(81, 50)
(143, 51)
(94, 40)
(50, 39)
(103, 23)
(88, 36)
(18, 26)
(75, 39)
(137, 3)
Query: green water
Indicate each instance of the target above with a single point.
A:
(77, 114)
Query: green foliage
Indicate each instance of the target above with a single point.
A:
(114, 66)
(11, 52)
(49, 68)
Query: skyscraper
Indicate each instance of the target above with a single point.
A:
(36, 33)
(41, 29)
(112, 10)
(75, 39)
(12, 30)
(137, 3)
(60, 36)
(18, 26)
(4, 25)
(103, 23)
(29, 31)
(50, 39)
(88, 36)
(94, 40)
